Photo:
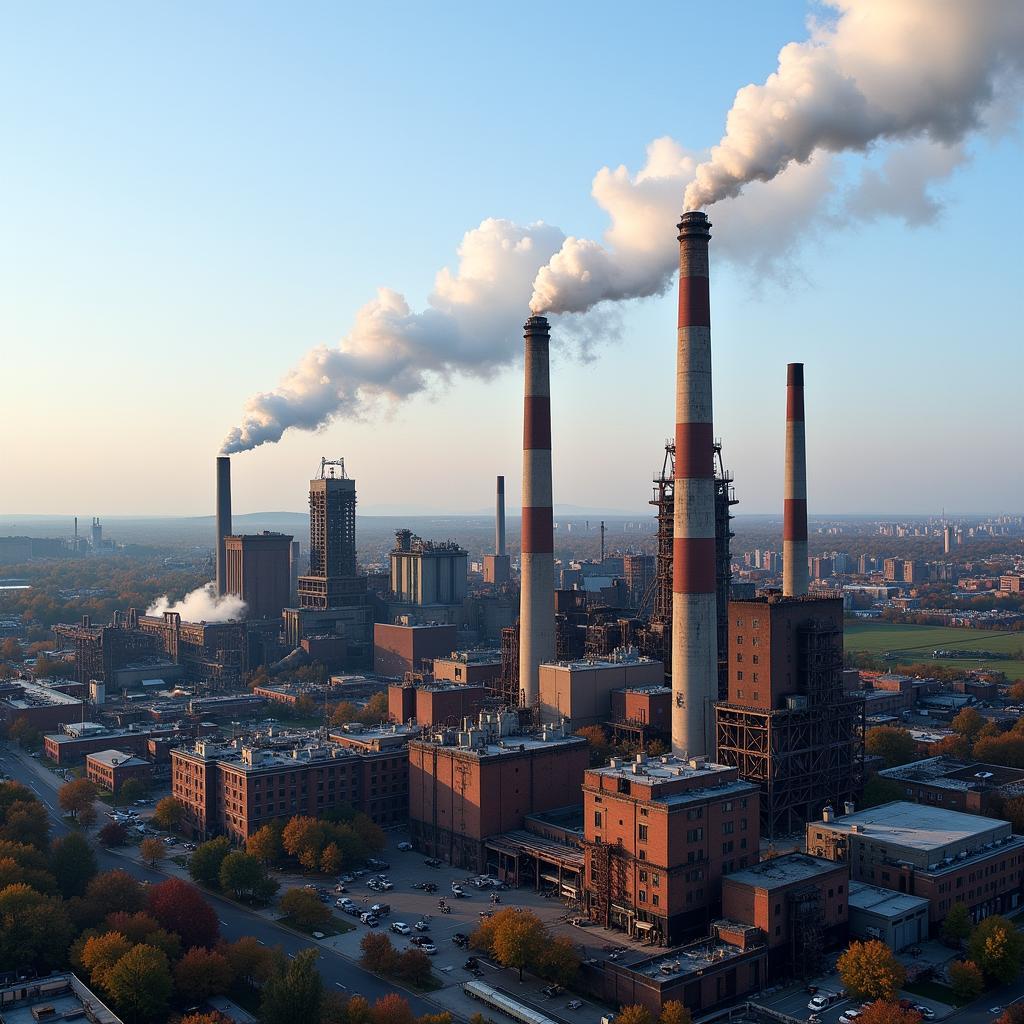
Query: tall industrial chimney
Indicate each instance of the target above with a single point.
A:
(537, 598)
(499, 520)
(794, 510)
(694, 620)
(223, 518)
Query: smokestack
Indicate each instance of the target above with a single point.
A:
(694, 630)
(794, 513)
(537, 598)
(499, 522)
(223, 518)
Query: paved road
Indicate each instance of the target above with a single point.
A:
(337, 971)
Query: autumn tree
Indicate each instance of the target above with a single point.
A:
(202, 973)
(331, 859)
(250, 960)
(101, 952)
(73, 863)
(894, 745)
(880, 790)
(674, 1012)
(966, 979)
(968, 723)
(152, 850)
(870, 970)
(1013, 812)
(294, 992)
(209, 1017)
(997, 948)
(343, 713)
(358, 1011)
(130, 791)
(108, 892)
(26, 822)
(168, 814)
(304, 909)
(206, 860)
(112, 834)
(140, 983)
(559, 961)
(379, 956)
(143, 928)
(265, 843)
(180, 908)
(635, 1014)
(303, 838)
(883, 1011)
(242, 875)
(75, 795)
(413, 966)
(1016, 692)
(957, 925)
(519, 939)
(597, 742)
(34, 929)
(1006, 750)
(391, 1009)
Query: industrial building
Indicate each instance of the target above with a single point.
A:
(428, 579)
(968, 786)
(943, 856)
(641, 714)
(481, 668)
(434, 703)
(400, 647)
(332, 595)
(895, 918)
(470, 785)
(581, 691)
(659, 835)
(39, 707)
(101, 650)
(801, 904)
(234, 789)
(788, 723)
(213, 654)
(257, 570)
(56, 997)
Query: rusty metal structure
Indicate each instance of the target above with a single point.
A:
(101, 650)
(808, 753)
(656, 639)
(609, 903)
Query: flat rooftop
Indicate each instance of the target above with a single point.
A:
(950, 773)
(35, 696)
(690, 959)
(64, 993)
(785, 870)
(915, 826)
(585, 665)
(116, 759)
(884, 902)
(667, 768)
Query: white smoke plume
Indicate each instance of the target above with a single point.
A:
(203, 604)
(916, 76)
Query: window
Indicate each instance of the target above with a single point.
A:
(642, 896)
(727, 806)
(656, 879)
(597, 819)
(654, 899)
(642, 854)
(739, 676)
(756, 623)
(694, 835)
(755, 677)
(643, 812)
(739, 693)
(642, 833)
(643, 876)
(739, 640)
(727, 828)
(739, 657)
(754, 659)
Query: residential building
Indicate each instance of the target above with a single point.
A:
(111, 769)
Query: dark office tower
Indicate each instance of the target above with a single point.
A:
(332, 539)
(223, 518)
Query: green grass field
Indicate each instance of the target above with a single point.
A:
(916, 643)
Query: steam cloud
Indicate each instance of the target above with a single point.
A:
(203, 604)
(920, 76)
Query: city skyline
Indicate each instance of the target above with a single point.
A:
(190, 262)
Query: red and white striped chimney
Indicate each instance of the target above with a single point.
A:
(694, 631)
(537, 596)
(794, 508)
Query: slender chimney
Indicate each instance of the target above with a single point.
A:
(223, 518)
(794, 511)
(499, 522)
(694, 630)
(537, 596)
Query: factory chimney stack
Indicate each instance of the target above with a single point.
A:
(694, 630)
(537, 597)
(794, 511)
(223, 518)
(499, 521)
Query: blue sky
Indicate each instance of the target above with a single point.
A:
(191, 196)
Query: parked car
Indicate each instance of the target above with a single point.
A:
(574, 1004)
(849, 1016)
(427, 947)
(460, 939)
(421, 926)
(381, 909)
(405, 847)
(926, 1011)
(822, 1001)
(433, 862)
(318, 935)
(400, 928)
(471, 964)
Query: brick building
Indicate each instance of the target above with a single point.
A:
(581, 691)
(943, 856)
(111, 769)
(788, 723)
(399, 648)
(659, 835)
(465, 787)
(480, 667)
(435, 704)
(40, 707)
(967, 786)
(258, 569)
(236, 789)
(641, 714)
(77, 740)
(801, 904)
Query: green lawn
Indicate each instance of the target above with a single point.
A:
(916, 643)
(934, 990)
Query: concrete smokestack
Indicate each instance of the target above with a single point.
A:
(499, 520)
(223, 518)
(537, 597)
(794, 513)
(694, 619)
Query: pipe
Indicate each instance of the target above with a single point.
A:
(694, 618)
(537, 595)
(794, 508)
(499, 523)
(223, 518)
